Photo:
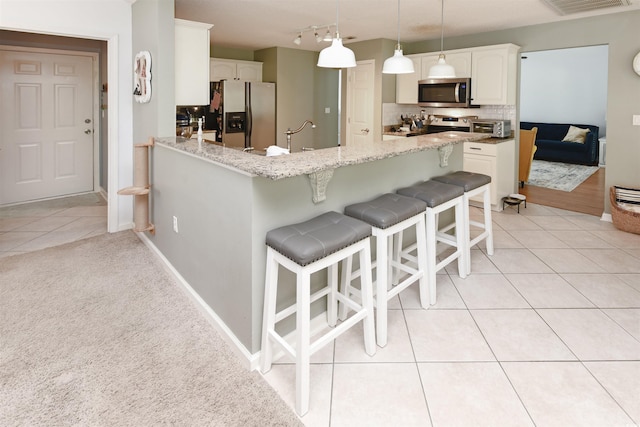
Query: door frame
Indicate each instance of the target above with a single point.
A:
(95, 83)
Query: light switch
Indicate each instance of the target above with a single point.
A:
(327, 110)
(636, 120)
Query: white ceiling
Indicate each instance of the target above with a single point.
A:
(259, 24)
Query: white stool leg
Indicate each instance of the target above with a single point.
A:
(382, 276)
(303, 337)
(421, 242)
(462, 240)
(269, 314)
(332, 300)
(431, 254)
(367, 301)
(488, 224)
(345, 284)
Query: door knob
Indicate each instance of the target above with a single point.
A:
(365, 131)
(88, 131)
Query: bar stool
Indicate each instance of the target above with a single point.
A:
(440, 197)
(473, 184)
(305, 248)
(389, 215)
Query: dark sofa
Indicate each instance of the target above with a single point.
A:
(552, 148)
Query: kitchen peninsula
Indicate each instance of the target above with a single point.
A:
(212, 207)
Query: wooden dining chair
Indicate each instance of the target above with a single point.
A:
(527, 150)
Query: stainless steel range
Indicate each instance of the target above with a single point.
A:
(440, 123)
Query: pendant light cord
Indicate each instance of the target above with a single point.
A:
(442, 28)
(398, 25)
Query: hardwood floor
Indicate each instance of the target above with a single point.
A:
(587, 198)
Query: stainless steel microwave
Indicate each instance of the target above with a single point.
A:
(445, 92)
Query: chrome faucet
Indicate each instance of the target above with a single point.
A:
(290, 132)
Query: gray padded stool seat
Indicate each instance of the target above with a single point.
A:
(386, 210)
(440, 197)
(389, 215)
(474, 184)
(433, 193)
(467, 180)
(320, 236)
(304, 249)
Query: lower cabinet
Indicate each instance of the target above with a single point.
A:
(496, 160)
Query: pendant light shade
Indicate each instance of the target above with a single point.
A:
(442, 69)
(398, 63)
(336, 55)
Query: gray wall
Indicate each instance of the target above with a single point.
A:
(620, 32)
(153, 32)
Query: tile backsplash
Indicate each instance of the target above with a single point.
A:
(391, 112)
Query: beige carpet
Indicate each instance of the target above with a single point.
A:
(96, 333)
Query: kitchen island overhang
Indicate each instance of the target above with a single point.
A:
(225, 200)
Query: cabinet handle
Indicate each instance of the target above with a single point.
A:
(475, 148)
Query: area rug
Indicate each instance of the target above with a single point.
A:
(559, 176)
(96, 333)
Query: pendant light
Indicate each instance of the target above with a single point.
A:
(336, 55)
(442, 69)
(398, 63)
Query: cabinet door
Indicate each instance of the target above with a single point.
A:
(248, 71)
(493, 76)
(191, 62)
(485, 165)
(222, 70)
(407, 84)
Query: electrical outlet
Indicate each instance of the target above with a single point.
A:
(175, 223)
(636, 119)
(327, 110)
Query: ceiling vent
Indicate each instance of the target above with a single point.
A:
(568, 7)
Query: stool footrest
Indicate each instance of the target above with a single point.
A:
(286, 312)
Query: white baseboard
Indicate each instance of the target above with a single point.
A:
(606, 217)
(250, 361)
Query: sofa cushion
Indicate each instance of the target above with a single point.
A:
(576, 134)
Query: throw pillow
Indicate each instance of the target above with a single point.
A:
(575, 134)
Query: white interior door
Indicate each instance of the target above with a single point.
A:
(360, 86)
(47, 132)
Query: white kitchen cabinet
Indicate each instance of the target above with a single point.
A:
(191, 62)
(494, 75)
(461, 62)
(228, 69)
(496, 160)
(407, 84)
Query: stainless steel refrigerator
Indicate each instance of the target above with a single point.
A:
(244, 113)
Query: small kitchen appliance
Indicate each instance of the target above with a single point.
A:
(497, 128)
(445, 92)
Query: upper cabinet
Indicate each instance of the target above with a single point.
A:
(494, 74)
(407, 84)
(191, 62)
(492, 69)
(227, 69)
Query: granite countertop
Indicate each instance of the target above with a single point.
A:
(488, 138)
(308, 162)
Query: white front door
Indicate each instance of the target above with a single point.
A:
(47, 125)
(360, 81)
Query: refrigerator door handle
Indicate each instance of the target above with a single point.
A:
(247, 109)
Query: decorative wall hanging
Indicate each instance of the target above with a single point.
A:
(142, 77)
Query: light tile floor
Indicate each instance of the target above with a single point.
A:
(32, 226)
(545, 332)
